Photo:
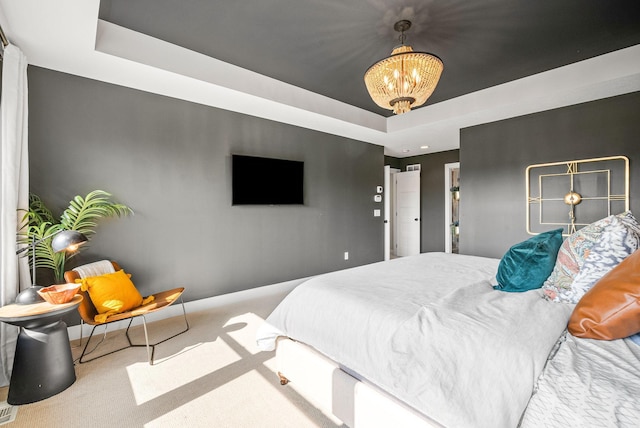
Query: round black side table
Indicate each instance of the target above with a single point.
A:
(42, 365)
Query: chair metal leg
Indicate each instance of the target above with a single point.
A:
(86, 344)
(151, 347)
(81, 328)
(84, 351)
(146, 340)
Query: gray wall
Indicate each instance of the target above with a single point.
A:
(431, 195)
(170, 161)
(494, 156)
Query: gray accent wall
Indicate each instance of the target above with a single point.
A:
(170, 161)
(494, 156)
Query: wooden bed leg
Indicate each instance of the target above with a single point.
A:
(283, 380)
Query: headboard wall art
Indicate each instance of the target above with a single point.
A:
(573, 194)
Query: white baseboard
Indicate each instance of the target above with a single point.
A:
(199, 305)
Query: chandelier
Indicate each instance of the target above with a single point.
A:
(404, 80)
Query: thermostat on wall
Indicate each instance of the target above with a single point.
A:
(377, 198)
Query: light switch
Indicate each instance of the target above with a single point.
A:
(377, 198)
(376, 213)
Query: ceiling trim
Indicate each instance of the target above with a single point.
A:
(67, 36)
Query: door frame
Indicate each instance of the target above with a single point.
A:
(388, 192)
(448, 167)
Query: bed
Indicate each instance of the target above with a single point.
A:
(428, 341)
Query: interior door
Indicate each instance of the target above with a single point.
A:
(387, 212)
(407, 213)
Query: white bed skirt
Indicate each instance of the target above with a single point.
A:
(356, 403)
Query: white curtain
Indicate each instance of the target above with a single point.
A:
(14, 192)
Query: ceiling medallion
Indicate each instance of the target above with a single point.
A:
(404, 80)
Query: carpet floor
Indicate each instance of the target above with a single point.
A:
(211, 376)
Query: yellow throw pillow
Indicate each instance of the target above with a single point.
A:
(112, 293)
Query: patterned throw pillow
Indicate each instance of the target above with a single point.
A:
(616, 243)
(573, 253)
(630, 221)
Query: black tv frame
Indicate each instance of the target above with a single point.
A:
(266, 181)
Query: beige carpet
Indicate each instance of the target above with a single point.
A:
(211, 376)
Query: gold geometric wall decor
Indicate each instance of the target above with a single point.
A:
(573, 194)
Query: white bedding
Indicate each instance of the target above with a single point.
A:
(588, 383)
(431, 331)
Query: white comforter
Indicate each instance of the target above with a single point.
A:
(430, 330)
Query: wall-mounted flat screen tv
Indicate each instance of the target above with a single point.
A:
(266, 181)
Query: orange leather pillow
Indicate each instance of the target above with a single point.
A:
(611, 309)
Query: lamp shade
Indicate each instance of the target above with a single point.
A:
(62, 240)
(67, 239)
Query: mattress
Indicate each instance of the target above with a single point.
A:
(431, 331)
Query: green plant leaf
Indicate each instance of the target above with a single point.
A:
(81, 215)
(45, 257)
(38, 211)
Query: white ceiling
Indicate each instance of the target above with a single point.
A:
(68, 36)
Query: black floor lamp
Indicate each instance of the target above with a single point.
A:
(62, 240)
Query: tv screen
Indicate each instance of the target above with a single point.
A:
(266, 181)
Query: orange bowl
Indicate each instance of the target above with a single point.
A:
(59, 293)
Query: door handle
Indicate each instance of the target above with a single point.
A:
(415, 219)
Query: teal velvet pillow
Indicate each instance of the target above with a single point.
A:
(528, 264)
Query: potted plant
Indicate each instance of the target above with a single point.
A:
(81, 215)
